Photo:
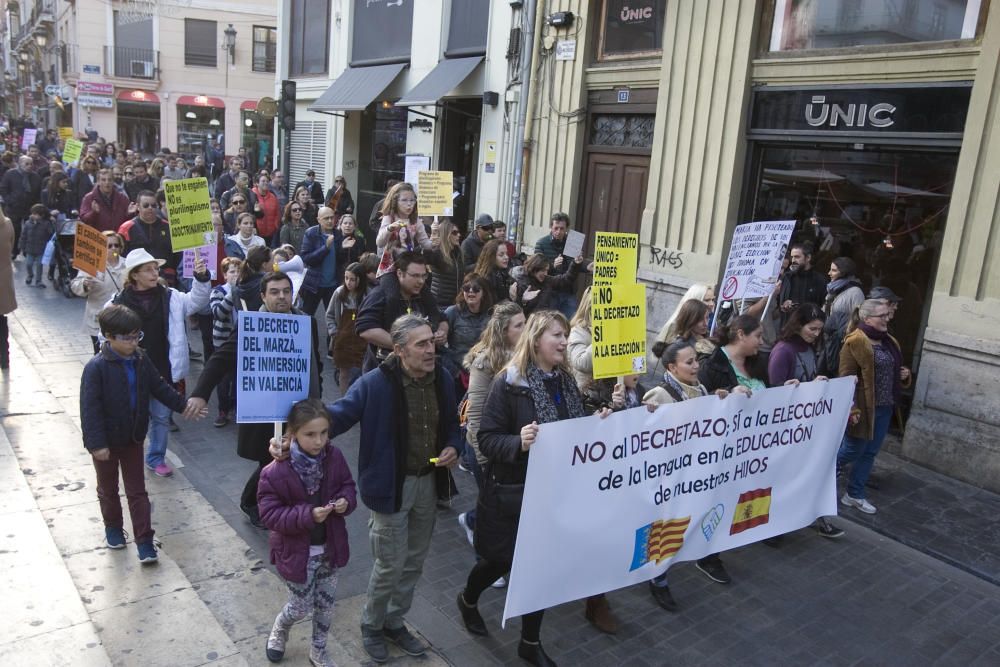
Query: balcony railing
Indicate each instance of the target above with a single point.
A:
(128, 63)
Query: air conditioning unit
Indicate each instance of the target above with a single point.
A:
(141, 69)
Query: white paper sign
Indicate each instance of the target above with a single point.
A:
(414, 164)
(754, 260)
(624, 498)
(574, 244)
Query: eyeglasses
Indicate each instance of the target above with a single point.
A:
(114, 245)
(239, 201)
(128, 173)
(471, 289)
(127, 338)
(147, 205)
(296, 210)
(883, 316)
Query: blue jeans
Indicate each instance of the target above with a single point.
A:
(159, 426)
(860, 453)
(34, 266)
(566, 304)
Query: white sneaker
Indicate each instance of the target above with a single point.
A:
(500, 583)
(859, 503)
(465, 527)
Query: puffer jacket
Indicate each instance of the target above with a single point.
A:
(286, 510)
(445, 279)
(105, 287)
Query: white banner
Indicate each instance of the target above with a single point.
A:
(614, 502)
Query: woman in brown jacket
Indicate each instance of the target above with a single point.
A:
(873, 356)
(8, 303)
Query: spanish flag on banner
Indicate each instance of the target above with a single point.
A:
(752, 509)
(658, 541)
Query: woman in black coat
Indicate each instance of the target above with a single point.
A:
(536, 289)
(534, 389)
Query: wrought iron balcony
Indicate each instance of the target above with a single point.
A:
(128, 63)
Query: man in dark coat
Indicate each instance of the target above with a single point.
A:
(472, 246)
(314, 187)
(252, 439)
(800, 284)
(20, 188)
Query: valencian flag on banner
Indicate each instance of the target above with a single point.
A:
(658, 541)
(752, 509)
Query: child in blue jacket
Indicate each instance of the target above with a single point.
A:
(114, 415)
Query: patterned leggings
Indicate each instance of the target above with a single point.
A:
(316, 595)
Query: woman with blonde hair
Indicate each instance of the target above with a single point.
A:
(100, 289)
(535, 387)
(697, 292)
(445, 259)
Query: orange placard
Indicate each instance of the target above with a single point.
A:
(90, 252)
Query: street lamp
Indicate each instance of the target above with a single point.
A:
(229, 43)
(41, 39)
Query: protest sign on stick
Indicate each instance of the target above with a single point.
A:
(90, 250)
(618, 328)
(435, 193)
(615, 257)
(640, 491)
(209, 253)
(190, 213)
(72, 151)
(273, 358)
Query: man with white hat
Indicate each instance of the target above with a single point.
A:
(164, 312)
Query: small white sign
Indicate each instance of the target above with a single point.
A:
(566, 49)
(414, 164)
(574, 244)
(95, 101)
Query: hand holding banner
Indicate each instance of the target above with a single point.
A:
(618, 328)
(90, 250)
(273, 357)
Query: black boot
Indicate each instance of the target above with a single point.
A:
(533, 653)
(470, 616)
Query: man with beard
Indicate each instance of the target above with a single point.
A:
(800, 284)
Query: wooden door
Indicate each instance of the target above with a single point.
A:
(615, 192)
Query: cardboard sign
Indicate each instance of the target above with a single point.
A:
(435, 193)
(190, 213)
(618, 327)
(616, 256)
(209, 253)
(754, 260)
(65, 133)
(272, 365)
(90, 250)
(72, 151)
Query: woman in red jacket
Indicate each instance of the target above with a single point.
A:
(267, 203)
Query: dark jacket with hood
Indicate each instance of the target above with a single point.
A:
(106, 415)
(378, 402)
(385, 303)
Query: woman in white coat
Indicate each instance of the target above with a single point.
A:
(103, 287)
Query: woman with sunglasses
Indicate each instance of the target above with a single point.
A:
(238, 205)
(339, 197)
(309, 208)
(103, 287)
(293, 226)
(445, 258)
(467, 319)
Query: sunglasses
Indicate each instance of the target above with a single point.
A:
(128, 173)
(239, 201)
(114, 245)
(296, 210)
(147, 205)
(471, 289)
(127, 338)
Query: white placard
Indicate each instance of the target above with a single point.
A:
(754, 260)
(640, 491)
(574, 244)
(414, 165)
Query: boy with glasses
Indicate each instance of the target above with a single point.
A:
(115, 392)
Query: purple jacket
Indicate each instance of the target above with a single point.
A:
(285, 509)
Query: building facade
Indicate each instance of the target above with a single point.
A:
(180, 75)
(387, 88)
(869, 123)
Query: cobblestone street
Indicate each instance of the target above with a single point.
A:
(864, 599)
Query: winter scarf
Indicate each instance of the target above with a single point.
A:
(545, 407)
(682, 389)
(308, 468)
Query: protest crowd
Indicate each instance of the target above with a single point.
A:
(449, 350)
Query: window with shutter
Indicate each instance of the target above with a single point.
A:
(307, 151)
(200, 43)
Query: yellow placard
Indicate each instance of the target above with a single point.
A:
(435, 189)
(65, 133)
(72, 151)
(90, 250)
(190, 213)
(618, 328)
(616, 256)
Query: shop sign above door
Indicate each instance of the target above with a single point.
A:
(830, 110)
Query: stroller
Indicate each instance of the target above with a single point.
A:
(62, 256)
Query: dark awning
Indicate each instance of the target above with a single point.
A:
(356, 88)
(443, 78)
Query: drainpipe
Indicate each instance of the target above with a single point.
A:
(520, 162)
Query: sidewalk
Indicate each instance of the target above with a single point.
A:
(864, 599)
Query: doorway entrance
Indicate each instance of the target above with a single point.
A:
(139, 126)
(461, 121)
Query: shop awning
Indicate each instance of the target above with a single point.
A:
(200, 101)
(141, 96)
(445, 76)
(356, 88)
(248, 105)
